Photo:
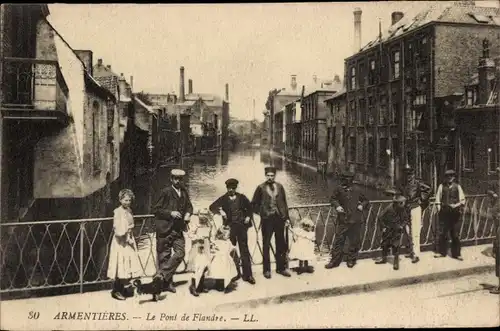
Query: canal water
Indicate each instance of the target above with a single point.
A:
(206, 176)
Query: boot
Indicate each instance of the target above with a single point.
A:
(332, 264)
(308, 268)
(300, 269)
(382, 260)
(396, 262)
(118, 289)
(193, 289)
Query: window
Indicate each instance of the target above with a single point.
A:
(420, 100)
(371, 151)
(352, 149)
(333, 136)
(96, 133)
(471, 97)
(395, 147)
(353, 78)
(371, 111)
(361, 75)
(383, 156)
(395, 65)
(493, 158)
(352, 113)
(468, 149)
(383, 113)
(361, 152)
(343, 136)
(409, 54)
(361, 112)
(372, 73)
(395, 113)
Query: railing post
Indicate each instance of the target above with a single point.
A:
(82, 230)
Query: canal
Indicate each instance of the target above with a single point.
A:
(206, 176)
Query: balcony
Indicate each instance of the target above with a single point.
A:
(33, 89)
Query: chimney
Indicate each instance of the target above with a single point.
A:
(86, 57)
(357, 29)
(293, 83)
(99, 62)
(396, 17)
(132, 83)
(190, 86)
(181, 87)
(315, 79)
(336, 79)
(227, 92)
(486, 68)
(122, 85)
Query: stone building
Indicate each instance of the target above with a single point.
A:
(477, 142)
(336, 132)
(397, 84)
(55, 125)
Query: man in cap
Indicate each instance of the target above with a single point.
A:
(350, 217)
(173, 211)
(494, 193)
(236, 211)
(269, 201)
(450, 199)
(392, 222)
(417, 196)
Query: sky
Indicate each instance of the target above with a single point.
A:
(252, 47)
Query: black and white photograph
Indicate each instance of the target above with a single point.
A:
(286, 165)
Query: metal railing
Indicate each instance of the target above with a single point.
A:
(32, 83)
(74, 253)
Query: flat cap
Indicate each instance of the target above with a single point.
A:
(177, 173)
(450, 172)
(232, 182)
(270, 170)
(399, 198)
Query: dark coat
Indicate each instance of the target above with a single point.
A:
(261, 198)
(349, 200)
(168, 202)
(416, 194)
(224, 203)
(392, 217)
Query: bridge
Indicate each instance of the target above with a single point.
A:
(70, 256)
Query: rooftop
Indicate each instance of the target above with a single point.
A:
(443, 12)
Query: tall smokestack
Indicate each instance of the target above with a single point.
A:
(181, 87)
(190, 86)
(357, 29)
(227, 92)
(293, 83)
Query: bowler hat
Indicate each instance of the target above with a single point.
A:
(270, 170)
(232, 182)
(178, 172)
(450, 172)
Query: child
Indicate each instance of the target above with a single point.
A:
(123, 258)
(303, 245)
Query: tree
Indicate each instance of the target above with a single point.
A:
(270, 98)
(144, 97)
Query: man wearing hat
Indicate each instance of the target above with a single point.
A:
(450, 199)
(173, 211)
(236, 211)
(392, 221)
(417, 196)
(494, 193)
(269, 201)
(350, 217)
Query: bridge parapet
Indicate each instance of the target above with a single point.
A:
(72, 255)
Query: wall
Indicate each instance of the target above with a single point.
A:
(337, 151)
(457, 51)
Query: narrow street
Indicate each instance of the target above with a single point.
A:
(462, 302)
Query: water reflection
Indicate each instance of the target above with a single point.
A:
(206, 175)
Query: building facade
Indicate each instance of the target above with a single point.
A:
(397, 84)
(337, 132)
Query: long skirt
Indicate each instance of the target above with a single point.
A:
(223, 265)
(123, 261)
(302, 249)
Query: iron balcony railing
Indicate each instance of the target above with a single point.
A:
(30, 83)
(74, 253)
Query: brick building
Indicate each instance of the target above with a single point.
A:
(336, 132)
(477, 143)
(398, 85)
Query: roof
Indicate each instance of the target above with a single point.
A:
(340, 93)
(210, 100)
(292, 93)
(443, 12)
(143, 105)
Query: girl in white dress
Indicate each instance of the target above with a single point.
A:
(124, 261)
(302, 249)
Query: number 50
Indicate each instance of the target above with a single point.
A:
(33, 315)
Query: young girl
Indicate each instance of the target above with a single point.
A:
(123, 258)
(303, 245)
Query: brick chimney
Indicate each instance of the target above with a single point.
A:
(190, 86)
(122, 85)
(182, 96)
(86, 57)
(396, 17)
(357, 29)
(99, 62)
(293, 83)
(486, 68)
(227, 92)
